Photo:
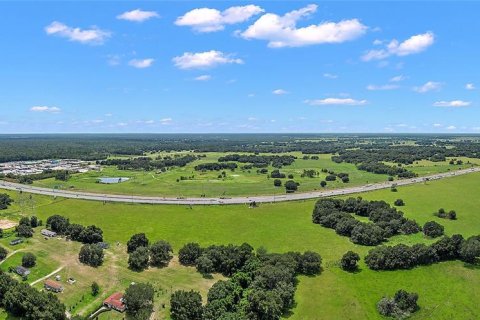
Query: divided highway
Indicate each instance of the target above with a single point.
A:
(234, 200)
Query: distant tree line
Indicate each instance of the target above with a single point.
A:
(276, 161)
(149, 164)
(405, 257)
(261, 285)
(215, 166)
(387, 221)
(25, 302)
(101, 146)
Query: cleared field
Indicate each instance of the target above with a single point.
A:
(447, 290)
(236, 183)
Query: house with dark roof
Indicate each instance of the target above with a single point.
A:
(22, 271)
(115, 302)
(48, 233)
(14, 242)
(51, 285)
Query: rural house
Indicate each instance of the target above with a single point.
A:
(21, 271)
(48, 233)
(115, 302)
(14, 242)
(51, 285)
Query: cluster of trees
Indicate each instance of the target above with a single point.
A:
(277, 174)
(261, 285)
(349, 261)
(433, 229)
(309, 173)
(3, 253)
(215, 166)
(404, 257)
(291, 186)
(401, 306)
(260, 161)
(29, 260)
(91, 254)
(381, 168)
(25, 302)
(26, 225)
(441, 213)
(62, 175)
(5, 201)
(387, 221)
(149, 164)
(138, 299)
(76, 232)
(142, 254)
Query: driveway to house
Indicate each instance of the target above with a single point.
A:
(230, 200)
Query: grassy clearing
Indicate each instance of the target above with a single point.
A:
(238, 182)
(447, 290)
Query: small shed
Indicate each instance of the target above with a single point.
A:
(48, 233)
(115, 302)
(22, 271)
(51, 285)
(14, 242)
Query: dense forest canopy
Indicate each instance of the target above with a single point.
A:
(353, 148)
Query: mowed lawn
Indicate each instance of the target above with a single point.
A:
(236, 183)
(447, 290)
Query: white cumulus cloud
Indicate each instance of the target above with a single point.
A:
(210, 20)
(141, 63)
(93, 35)
(138, 15)
(282, 31)
(336, 101)
(203, 77)
(45, 109)
(373, 87)
(451, 128)
(414, 44)
(330, 76)
(280, 92)
(470, 86)
(429, 86)
(204, 60)
(398, 78)
(452, 103)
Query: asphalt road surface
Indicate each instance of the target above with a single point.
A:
(234, 200)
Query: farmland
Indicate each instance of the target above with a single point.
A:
(446, 290)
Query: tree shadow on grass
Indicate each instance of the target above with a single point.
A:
(472, 266)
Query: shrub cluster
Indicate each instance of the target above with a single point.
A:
(141, 254)
(387, 221)
(261, 285)
(401, 306)
(215, 166)
(441, 213)
(404, 257)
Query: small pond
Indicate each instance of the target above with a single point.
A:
(112, 180)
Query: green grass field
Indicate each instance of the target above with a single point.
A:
(236, 183)
(447, 290)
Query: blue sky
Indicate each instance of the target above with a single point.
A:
(264, 66)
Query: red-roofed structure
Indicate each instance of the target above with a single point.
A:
(115, 301)
(52, 286)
